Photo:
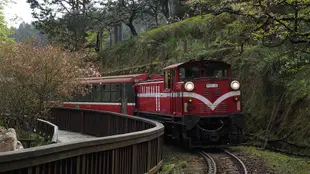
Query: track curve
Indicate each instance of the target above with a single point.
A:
(211, 163)
(223, 161)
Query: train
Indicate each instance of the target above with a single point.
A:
(198, 101)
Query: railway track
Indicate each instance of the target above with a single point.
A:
(222, 161)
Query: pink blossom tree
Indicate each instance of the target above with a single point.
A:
(30, 78)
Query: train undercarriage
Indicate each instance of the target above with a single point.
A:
(201, 132)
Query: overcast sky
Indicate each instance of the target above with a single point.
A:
(20, 11)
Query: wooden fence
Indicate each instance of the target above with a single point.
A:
(124, 144)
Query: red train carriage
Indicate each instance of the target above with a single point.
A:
(111, 93)
(197, 101)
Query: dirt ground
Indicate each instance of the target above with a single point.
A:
(255, 165)
(265, 161)
(180, 161)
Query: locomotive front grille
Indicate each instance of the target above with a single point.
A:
(216, 93)
(204, 109)
(222, 107)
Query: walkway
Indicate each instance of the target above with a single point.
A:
(67, 136)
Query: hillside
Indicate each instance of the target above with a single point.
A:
(275, 86)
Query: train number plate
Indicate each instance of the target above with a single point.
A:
(212, 85)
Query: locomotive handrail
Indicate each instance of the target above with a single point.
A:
(138, 150)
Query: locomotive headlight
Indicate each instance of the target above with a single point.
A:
(235, 85)
(189, 86)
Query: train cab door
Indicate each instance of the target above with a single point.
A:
(173, 98)
(169, 103)
(166, 108)
(124, 98)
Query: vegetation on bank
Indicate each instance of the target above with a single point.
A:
(274, 80)
(177, 160)
(278, 162)
(36, 139)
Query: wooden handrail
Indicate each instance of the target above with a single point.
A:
(124, 144)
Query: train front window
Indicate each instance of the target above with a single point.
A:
(213, 71)
(189, 72)
(203, 70)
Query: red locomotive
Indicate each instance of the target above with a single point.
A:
(197, 101)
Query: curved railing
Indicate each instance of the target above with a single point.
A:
(47, 130)
(124, 144)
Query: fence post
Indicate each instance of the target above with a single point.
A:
(134, 159)
(149, 153)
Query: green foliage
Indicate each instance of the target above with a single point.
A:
(273, 23)
(91, 37)
(144, 47)
(167, 168)
(27, 32)
(281, 163)
(37, 139)
(69, 29)
(4, 30)
(84, 17)
(126, 11)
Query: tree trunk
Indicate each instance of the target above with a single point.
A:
(120, 32)
(98, 41)
(156, 19)
(132, 28)
(174, 7)
(116, 34)
(110, 35)
(110, 32)
(165, 8)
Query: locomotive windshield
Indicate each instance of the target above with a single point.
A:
(189, 72)
(203, 70)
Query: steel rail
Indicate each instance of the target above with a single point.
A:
(211, 163)
(245, 171)
(212, 166)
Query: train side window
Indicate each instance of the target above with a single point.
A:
(130, 93)
(77, 97)
(106, 95)
(97, 93)
(182, 73)
(115, 92)
(106, 87)
(167, 79)
(87, 96)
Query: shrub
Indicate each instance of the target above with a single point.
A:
(32, 77)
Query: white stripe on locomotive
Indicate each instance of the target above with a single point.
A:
(96, 103)
(207, 102)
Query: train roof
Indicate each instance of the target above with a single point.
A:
(115, 79)
(195, 61)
